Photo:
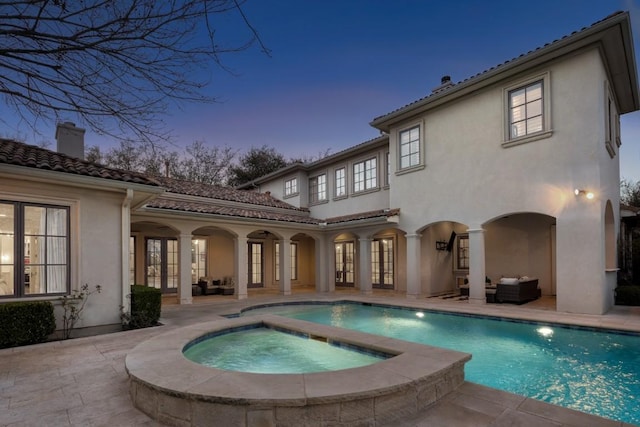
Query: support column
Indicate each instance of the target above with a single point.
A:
(184, 260)
(324, 267)
(285, 266)
(364, 266)
(125, 236)
(241, 268)
(477, 293)
(413, 265)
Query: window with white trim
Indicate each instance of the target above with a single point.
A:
(291, 187)
(462, 252)
(365, 175)
(34, 249)
(410, 147)
(340, 182)
(318, 188)
(526, 110)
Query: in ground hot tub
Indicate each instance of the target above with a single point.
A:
(264, 349)
(171, 389)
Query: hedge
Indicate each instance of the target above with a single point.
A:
(628, 295)
(25, 323)
(146, 303)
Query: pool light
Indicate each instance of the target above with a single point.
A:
(545, 331)
(420, 314)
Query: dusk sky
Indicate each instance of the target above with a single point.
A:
(337, 64)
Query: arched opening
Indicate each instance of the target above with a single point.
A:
(609, 237)
(444, 254)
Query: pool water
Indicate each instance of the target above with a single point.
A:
(590, 371)
(267, 351)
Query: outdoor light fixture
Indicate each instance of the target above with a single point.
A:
(441, 245)
(588, 194)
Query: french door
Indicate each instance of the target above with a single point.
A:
(256, 265)
(382, 263)
(345, 266)
(162, 264)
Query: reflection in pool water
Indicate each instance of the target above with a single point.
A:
(591, 371)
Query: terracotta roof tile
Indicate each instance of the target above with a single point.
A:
(225, 193)
(363, 215)
(212, 209)
(20, 154)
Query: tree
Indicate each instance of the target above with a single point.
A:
(630, 193)
(255, 163)
(198, 163)
(116, 64)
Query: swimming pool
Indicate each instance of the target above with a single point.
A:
(268, 351)
(586, 370)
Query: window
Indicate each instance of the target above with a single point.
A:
(388, 171)
(341, 182)
(294, 261)
(612, 124)
(40, 265)
(291, 187)
(526, 110)
(410, 147)
(318, 188)
(365, 175)
(198, 259)
(463, 252)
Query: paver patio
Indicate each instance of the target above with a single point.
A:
(82, 382)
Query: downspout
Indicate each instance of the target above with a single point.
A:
(126, 233)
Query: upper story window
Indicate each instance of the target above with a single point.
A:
(318, 188)
(612, 124)
(527, 110)
(340, 182)
(388, 171)
(365, 175)
(410, 147)
(34, 249)
(291, 187)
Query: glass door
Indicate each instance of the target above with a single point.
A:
(162, 266)
(255, 265)
(345, 266)
(382, 263)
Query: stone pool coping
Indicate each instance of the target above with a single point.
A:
(173, 390)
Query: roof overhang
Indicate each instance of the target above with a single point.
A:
(612, 36)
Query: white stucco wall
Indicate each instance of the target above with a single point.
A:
(471, 179)
(95, 246)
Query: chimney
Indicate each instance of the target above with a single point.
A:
(70, 140)
(445, 83)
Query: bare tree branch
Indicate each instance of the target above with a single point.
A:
(118, 65)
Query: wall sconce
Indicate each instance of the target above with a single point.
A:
(588, 194)
(441, 245)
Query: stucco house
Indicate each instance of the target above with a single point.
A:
(511, 172)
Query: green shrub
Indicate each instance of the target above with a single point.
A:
(628, 295)
(145, 306)
(25, 323)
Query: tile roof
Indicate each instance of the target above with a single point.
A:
(224, 193)
(480, 75)
(20, 154)
(363, 215)
(231, 211)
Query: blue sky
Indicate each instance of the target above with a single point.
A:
(337, 64)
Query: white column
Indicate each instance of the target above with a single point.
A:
(477, 293)
(184, 259)
(285, 266)
(364, 266)
(324, 268)
(241, 267)
(413, 265)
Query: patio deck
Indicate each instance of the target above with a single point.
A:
(82, 382)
